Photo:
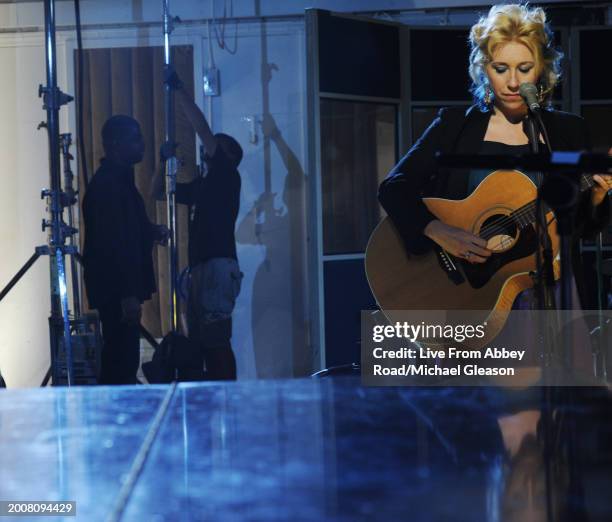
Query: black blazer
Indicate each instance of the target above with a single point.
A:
(455, 130)
(119, 237)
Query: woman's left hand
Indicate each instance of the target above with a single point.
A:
(603, 183)
(602, 187)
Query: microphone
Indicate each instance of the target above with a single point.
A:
(529, 93)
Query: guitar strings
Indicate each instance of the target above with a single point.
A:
(515, 218)
(525, 211)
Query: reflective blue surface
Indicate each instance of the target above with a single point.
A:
(72, 444)
(307, 450)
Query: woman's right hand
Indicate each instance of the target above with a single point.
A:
(457, 242)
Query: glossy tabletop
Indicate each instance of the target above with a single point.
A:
(304, 450)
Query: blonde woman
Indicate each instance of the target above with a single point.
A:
(511, 45)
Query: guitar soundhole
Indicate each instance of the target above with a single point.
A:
(500, 232)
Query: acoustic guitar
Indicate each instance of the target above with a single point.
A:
(502, 211)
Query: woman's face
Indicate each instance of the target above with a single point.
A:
(511, 65)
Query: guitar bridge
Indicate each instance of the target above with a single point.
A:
(450, 268)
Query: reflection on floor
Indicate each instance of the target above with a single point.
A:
(307, 450)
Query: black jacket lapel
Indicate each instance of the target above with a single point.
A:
(469, 141)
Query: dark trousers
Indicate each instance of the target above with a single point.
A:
(213, 288)
(213, 340)
(121, 350)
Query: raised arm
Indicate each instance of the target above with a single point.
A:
(198, 122)
(194, 114)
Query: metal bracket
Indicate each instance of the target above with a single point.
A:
(53, 99)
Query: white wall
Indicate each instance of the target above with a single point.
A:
(116, 11)
(24, 344)
(270, 321)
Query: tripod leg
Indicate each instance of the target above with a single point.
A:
(46, 379)
(22, 271)
(19, 275)
(149, 337)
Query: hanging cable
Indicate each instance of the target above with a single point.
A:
(211, 57)
(79, 93)
(220, 36)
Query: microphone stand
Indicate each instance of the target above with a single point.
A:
(559, 192)
(544, 278)
(170, 168)
(544, 282)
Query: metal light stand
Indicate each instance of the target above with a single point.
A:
(56, 249)
(171, 166)
(53, 99)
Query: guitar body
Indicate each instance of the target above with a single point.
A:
(439, 281)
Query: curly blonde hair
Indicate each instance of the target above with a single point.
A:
(514, 23)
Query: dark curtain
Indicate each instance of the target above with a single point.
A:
(130, 81)
(349, 175)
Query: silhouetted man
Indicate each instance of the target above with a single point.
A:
(118, 249)
(215, 277)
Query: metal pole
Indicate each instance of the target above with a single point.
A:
(266, 76)
(599, 342)
(53, 99)
(70, 197)
(171, 167)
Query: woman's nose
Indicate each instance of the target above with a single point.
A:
(513, 81)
